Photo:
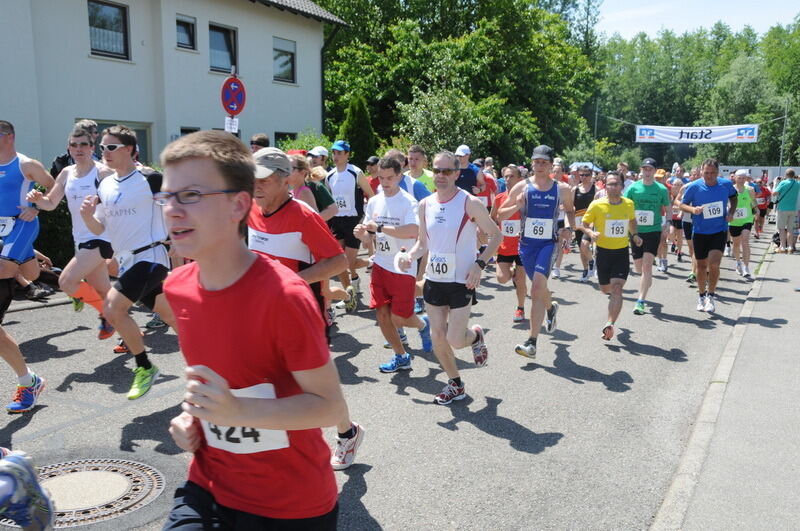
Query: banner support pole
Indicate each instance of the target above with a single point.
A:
(783, 136)
(594, 144)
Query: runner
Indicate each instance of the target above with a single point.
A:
(538, 200)
(85, 277)
(583, 195)
(348, 186)
(763, 197)
(676, 222)
(450, 219)
(391, 218)
(707, 200)
(742, 223)
(650, 199)
(291, 232)
(686, 224)
(123, 208)
(614, 218)
(661, 258)
(509, 265)
(255, 400)
(417, 160)
(19, 226)
(470, 178)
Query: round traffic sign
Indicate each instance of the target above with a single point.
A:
(233, 96)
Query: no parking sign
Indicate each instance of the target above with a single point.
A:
(233, 97)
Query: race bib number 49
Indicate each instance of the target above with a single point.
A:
(616, 228)
(539, 229)
(244, 440)
(712, 210)
(645, 217)
(442, 267)
(511, 227)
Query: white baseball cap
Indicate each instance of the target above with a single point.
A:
(319, 151)
(462, 150)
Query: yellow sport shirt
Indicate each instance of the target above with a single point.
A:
(611, 221)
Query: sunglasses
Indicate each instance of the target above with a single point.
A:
(443, 171)
(110, 147)
(585, 174)
(186, 197)
(79, 144)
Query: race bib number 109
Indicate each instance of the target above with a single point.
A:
(244, 440)
(712, 210)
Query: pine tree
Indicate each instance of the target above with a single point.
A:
(357, 130)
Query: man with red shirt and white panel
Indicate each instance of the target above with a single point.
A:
(293, 233)
(256, 399)
(509, 265)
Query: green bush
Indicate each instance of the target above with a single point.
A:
(55, 235)
(357, 130)
(306, 139)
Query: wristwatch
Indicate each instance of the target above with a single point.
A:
(380, 228)
(481, 264)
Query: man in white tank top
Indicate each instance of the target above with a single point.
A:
(124, 209)
(448, 222)
(85, 277)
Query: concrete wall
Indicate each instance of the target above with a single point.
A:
(45, 44)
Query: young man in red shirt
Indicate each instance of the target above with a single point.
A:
(255, 399)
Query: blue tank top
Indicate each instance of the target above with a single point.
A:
(540, 218)
(13, 188)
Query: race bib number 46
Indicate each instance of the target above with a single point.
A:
(244, 440)
(616, 228)
(442, 267)
(539, 229)
(712, 210)
(511, 227)
(645, 217)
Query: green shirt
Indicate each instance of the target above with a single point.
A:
(648, 200)
(744, 209)
(426, 178)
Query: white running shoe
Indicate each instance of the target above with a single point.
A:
(556, 272)
(701, 303)
(739, 268)
(710, 307)
(346, 449)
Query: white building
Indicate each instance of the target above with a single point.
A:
(157, 66)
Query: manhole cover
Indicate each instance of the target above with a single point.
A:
(94, 490)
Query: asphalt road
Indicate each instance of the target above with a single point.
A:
(587, 436)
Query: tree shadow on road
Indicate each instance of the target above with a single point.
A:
(152, 427)
(353, 514)
(114, 373)
(20, 421)
(564, 367)
(519, 437)
(640, 349)
(40, 349)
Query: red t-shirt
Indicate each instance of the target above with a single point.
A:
(294, 234)
(510, 244)
(374, 183)
(272, 473)
(488, 191)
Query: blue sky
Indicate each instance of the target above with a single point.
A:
(629, 17)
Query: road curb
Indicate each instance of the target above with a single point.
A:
(672, 512)
(31, 305)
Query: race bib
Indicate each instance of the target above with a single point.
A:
(740, 213)
(645, 217)
(124, 261)
(616, 228)
(510, 227)
(442, 267)
(687, 217)
(761, 201)
(6, 225)
(539, 229)
(342, 203)
(578, 223)
(244, 440)
(712, 210)
(383, 245)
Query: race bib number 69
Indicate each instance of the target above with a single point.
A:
(244, 440)
(539, 229)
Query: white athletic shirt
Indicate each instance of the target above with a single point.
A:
(75, 191)
(345, 190)
(452, 238)
(398, 210)
(131, 217)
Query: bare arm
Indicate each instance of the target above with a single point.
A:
(512, 203)
(324, 269)
(329, 212)
(363, 182)
(568, 200)
(53, 197)
(478, 212)
(88, 208)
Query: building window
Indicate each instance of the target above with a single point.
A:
(108, 29)
(222, 43)
(283, 60)
(283, 137)
(186, 35)
(189, 130)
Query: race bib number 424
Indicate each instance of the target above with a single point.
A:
(244, 440)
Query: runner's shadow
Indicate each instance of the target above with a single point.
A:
(769, 279)
(40, 349)
(639, 349)
(113, 373)
(152, 427)
(767, 323)
(353, 514)
(20, 421)
(519, 437)
(656, 309)
(348, 371)
(161, 341)
(426, 385)
(564, 367)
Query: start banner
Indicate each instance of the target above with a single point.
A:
(747, 133)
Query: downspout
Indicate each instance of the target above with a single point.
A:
(325, 45)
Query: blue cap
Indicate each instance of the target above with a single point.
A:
(341, 145)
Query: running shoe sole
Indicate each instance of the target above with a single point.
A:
(608, 332)
(462, 396)
(551, 323)
(524, 353)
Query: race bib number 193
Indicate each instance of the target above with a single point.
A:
(616, 228)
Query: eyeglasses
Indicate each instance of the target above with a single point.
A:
(110, 147)
(4, 134)
(443, 171)
(79, 144)
(186, 197)
(585, 174)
